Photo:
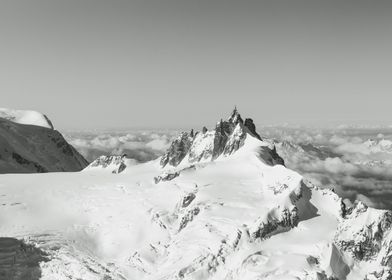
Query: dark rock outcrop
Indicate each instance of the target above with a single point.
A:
(188, 217)
(116, 163)
(222, 130)
(252, 128)
(177, 150)
(270, 156)
(288, 220)
(20, 261)
(188, 199)
(35, 149)
(367, 242)
(166, 177)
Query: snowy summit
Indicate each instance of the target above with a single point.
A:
(26, 117)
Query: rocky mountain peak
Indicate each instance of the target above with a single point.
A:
(116, 163)
(177, 150)
(226, 138)
(235, 117)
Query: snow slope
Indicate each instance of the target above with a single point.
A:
(239, 216)
(26, 117)
(31, 149)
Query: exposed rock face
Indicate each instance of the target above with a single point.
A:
(283, 218)
(270, 156)
(222, 130)
(235, 117)
(116, 164)
(202, 147)
(166, 177)
(287, 220)
(188, 217)
(372, 240)
(31, 149)
(188, 200)
(20, 261)
(236, 139)
(227, 137)
(252, 128)
(177, 150)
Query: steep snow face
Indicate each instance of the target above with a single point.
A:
(31, 149)
(26, 117)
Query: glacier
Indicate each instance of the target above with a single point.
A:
(219, 204)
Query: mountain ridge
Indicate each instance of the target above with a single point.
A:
(27, 117)
(208, 145)
(30, 144)
(240, 215)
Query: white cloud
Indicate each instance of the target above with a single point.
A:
(139, 145)
(158, 144)
(343, 159)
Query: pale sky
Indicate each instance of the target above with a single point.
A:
(172, 63)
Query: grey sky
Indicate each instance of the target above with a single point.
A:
(107, 64)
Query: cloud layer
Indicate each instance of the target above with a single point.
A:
(139, 145)
(357, 163)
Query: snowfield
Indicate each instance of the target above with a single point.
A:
(239, 215)
(233, 218)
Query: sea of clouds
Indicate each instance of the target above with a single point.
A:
(355, 162)
(140, 145)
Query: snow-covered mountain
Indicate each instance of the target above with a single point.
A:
(288, 149)
(208, 209)
(227, 137)
(26, 117)
(113, 164)
(29, 144)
